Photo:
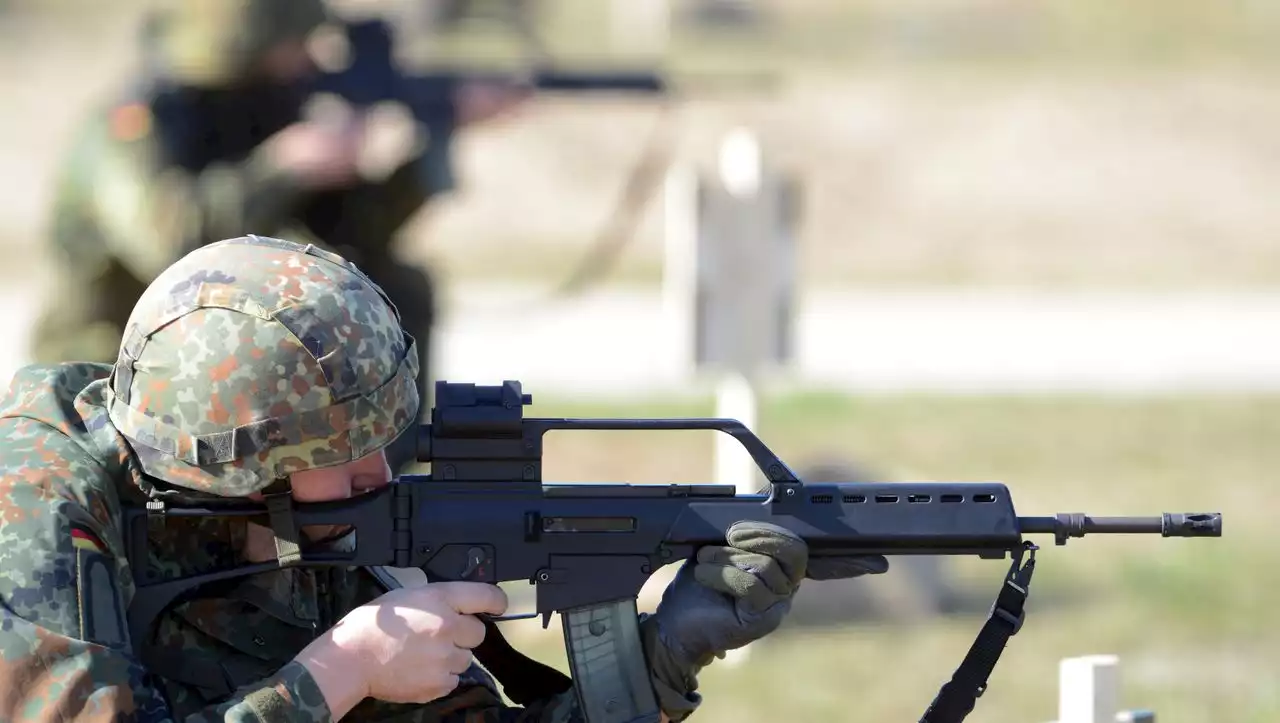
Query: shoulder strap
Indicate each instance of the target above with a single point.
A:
(958, 696)
(215, 678)
(210, 677)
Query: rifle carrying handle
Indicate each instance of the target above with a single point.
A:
(608, 664)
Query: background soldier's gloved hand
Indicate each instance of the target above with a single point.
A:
(732, 596)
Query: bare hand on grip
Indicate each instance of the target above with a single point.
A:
(407, 646)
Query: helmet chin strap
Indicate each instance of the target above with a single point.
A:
(279, 499)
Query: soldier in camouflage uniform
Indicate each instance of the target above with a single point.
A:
(259, 368)
(211, 143)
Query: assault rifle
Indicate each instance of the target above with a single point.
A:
(484, 514)
(371, 76)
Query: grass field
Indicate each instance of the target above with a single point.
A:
(1195, 622)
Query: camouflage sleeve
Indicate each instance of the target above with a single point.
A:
(65, 653)
(150, 213)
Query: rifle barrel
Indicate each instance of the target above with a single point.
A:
(1168, 524)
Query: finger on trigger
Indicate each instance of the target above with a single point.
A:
(472, 598)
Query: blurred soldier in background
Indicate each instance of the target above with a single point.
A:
(211, 142)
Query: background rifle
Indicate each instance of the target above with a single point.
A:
(371, 75)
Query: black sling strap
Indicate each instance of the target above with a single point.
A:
(523, 679)
(958, 696)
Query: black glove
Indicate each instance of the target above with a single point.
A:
(732, 596)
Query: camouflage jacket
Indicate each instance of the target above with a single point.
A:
(65, 652)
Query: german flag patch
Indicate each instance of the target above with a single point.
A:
(85, 540)
(101, 611)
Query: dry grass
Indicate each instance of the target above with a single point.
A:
(1194, 621)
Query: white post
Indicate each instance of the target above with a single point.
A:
(735, 280)
(728, 283)
(1089, 692)
(740, 171)
(743, 276)
(735, 399)
(1088, 689)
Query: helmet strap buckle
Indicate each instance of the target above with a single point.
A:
(280, 511)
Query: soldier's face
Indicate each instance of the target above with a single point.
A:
(339, 483)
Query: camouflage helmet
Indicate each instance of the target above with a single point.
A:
(212, 42)
(253, 358)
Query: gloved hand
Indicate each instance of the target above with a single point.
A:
(732, 596)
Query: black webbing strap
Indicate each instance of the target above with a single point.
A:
(523, 679)
(288, 536)
(967, 684)
(210, 676)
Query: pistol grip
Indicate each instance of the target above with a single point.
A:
(608, 664)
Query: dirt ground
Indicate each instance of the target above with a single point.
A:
(1140, 177)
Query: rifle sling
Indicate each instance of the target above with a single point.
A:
(523, 679)
(958, 696)
(215, 679)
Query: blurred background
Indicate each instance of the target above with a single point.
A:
(1032, 242)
